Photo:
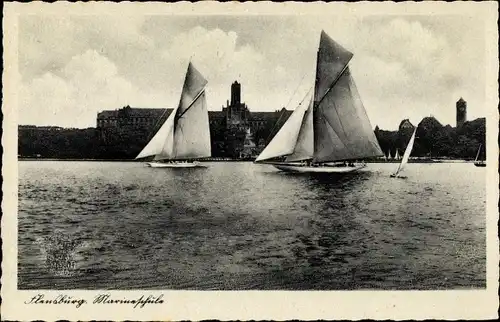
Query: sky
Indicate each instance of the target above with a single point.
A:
(73, 67)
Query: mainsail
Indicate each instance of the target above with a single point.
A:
(186, 132)
(335, 126)
(407, 153)
(342, 130)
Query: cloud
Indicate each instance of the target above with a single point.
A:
(88, 83)
(216, 54)
(408, 66)
(405, 69)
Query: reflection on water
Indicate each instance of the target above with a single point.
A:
(245, 226)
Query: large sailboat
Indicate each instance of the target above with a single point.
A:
(333, 130)
(406, 157)
(185, 135)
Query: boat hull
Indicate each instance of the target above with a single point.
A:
(398, 176)
(175, 165)
(297, 168)
(480, 164)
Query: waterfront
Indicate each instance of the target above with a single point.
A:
(238, 225)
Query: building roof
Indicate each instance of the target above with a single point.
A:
(405, 122)
(269, 116)
(216, 114)
(135, 112)
(157, 112)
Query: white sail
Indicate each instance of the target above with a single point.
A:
(186, 133)
(283, 143)
(159, 144)
(304, 148)
(407, 153)
(478, 150)
(397, 155)
(192, 131)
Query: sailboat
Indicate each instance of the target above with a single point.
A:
(479, 163)
(406, 156)
(333, 130)
(185, 135)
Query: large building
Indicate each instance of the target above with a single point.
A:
(138, 118)
(461, 112)
(234, 115)
(243, 132)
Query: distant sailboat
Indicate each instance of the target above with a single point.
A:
(477, 162)
(406, 156)
(396, 157)
(185, 135)
(330, 132)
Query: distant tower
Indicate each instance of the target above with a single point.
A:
(461, 112)
(235, 93)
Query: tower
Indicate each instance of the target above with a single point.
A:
(235, 93)
(461, 112)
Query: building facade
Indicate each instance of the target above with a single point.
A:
(234, 129)
(461, 112)
(133, 118)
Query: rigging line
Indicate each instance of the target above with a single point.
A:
(335, 81)
(281, 116)
(295, 91)
(157, 126)
(287, 104)
(192, 103)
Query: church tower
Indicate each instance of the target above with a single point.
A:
(461, 112)
(235, 93)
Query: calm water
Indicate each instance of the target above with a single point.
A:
(246, 226)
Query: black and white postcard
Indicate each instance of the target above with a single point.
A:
(248, 161)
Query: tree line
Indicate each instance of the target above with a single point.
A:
(433, 140)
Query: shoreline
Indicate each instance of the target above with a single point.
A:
(240, 160)
(122, 160)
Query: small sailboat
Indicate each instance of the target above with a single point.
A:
(396, 157)
(406, 156)
(185, 135)
(333, 130)
(477, 162)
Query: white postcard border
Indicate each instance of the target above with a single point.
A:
(244, 305)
